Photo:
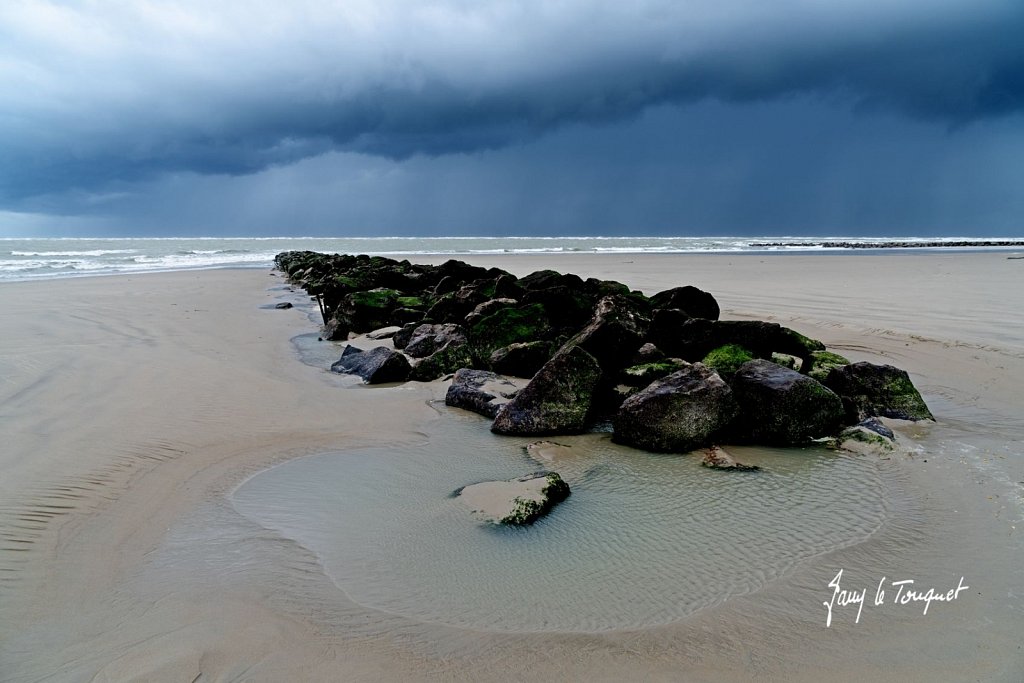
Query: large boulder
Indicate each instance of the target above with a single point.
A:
(870, 390)
(522, 359)
(683, 411)
(371, 309)
(614, 333)
(516, 502)
(428, 338)
(695, 302)
(480, 391)
(379, 365)
(557, 399)
(454, 354)
(780, 406)
(692, 339)
(507, 326)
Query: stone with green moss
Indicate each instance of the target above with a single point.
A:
(871, 390)
(504, 327)
(823, 362)
(516, 502)
(727, 359)
(557, 400)
(643, 374)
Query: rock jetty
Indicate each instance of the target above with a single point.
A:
(663, 369)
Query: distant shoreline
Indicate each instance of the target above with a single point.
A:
(895, 244)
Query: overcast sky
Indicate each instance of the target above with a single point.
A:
(512, 117)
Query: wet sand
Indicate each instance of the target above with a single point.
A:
(132, 406)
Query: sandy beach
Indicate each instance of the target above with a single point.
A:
(131, 407)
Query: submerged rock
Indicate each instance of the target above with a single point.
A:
(717, 459)
(557, 399)
(868, 437)
(870, 390)
(481, 391)
(518, 501)
(781, 406)
(379, 365)
(681, 412)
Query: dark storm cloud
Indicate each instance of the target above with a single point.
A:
(92, 94)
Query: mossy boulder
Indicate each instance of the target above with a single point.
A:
(726, 360)
(870, 390)
(451, 356)
(557, 399)
(823, 362)
(643, 374)
(370, 309)
(504, 327)
(779, 406)
(522, 359)
(686, 410)
(427, 338)
(614, 333)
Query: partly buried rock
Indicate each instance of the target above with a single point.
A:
(283, 305)
(516, 502)
(681, 412)
(871, 390)
(379, 365)
(868, 437)
(557, 399)
(717, 459)
(781, 406)
(480, 391)
(384, 332)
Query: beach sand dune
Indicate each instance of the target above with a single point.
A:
(131, 407)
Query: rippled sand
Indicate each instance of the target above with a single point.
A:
(140, 415)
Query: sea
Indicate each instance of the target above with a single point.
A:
(48, 258)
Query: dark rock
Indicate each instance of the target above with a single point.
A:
(481, 391)
(452, 355)
(404, 316)
(870, 390)
(683, 411)
(507, 287)
(648, 353)
(488, 308)
(641, 375)
(546, 279)
(695, 302)
(454, 307)
(614, 333)
(822, 364)
(781, 406)
(336, 329)
(566, 307)
(404, 335)
(507, 326)
(426, 339)
(726, 360)
(557, 399)
(368, 310)
(283, 305)
(522, 359)
(872, 424)
(379, 365)
(694, 338)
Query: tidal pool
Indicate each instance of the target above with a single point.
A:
(644, 539)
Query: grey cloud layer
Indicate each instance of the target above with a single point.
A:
(93, 94)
